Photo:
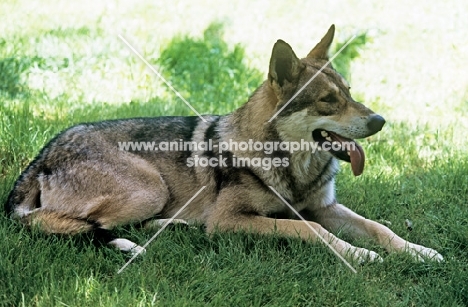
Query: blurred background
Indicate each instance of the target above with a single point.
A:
(411, 67)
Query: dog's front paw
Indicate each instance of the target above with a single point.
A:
(179, 221)
(421, 253)
(362, 255)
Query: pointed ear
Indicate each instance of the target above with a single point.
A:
(320, 51)
(284, 64)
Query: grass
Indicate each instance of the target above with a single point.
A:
(62, 68)
(197, 68)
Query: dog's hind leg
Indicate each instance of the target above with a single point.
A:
(124, 245)
(52, 222)
(84, 196)
(55, 222)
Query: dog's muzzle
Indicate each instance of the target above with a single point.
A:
(350, 150)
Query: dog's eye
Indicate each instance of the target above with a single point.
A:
(329, 98)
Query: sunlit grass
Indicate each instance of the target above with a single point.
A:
(62, 63)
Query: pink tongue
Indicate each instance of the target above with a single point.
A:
(357, 159)
(356, 153)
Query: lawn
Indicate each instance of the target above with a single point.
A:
(62, 63)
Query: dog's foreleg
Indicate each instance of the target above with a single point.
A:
(158, 223)
(294, 229)
(340, 218)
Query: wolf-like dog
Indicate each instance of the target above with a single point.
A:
(83, 181)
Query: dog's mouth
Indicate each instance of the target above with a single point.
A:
(341, 147)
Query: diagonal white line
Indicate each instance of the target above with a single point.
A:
(313, 230)
(161, 230)
(312, 78)
(160, 76)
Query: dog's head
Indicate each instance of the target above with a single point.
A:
(314, 103)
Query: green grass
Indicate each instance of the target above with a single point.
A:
(198, 68)
(64, 65)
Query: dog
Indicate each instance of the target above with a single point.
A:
(82, 181)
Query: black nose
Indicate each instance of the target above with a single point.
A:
(375, 123)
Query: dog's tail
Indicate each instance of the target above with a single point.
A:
(24, 204)
(25, 195)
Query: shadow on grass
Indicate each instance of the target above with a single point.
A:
(10, 75)
(342, 63)
(208, 71)
(186, 262)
